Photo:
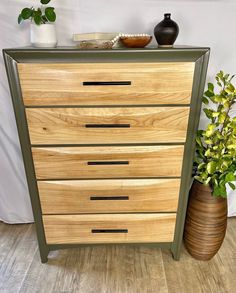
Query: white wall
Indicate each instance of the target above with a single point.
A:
(202, 23)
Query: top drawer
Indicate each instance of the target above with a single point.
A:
(106, 83)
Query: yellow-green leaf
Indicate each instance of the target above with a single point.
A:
(222, 117)
(231, 146)
(215, 114)
(211, 167)
(210, 130)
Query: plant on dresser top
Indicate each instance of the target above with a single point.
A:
(43, 32)
(215, 167)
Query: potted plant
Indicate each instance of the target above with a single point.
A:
(214, 168)
(42, 29)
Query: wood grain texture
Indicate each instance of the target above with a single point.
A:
(73, 162)
(18, 245)
(206, 222)
(144, 195)
(62, 84)
(146, 125)
(111, 268)
(141, 228)
(193, 276)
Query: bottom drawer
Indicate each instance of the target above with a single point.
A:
(109, 228)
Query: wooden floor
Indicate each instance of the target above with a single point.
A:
(111, 269)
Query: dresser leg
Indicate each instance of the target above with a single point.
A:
(175, 253)
(44, 255)
(44, 259)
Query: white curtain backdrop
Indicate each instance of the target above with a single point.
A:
(202, 23)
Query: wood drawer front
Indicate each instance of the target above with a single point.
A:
(107, 162)
(107, 125)
(109, 196)
(109, 228)
(125, 83)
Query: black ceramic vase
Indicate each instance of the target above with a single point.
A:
(166, 32)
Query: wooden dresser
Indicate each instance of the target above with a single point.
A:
(107, 139)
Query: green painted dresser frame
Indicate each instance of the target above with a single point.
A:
(198, 55)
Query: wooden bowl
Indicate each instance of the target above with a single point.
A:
(136, 42)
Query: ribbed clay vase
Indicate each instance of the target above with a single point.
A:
(206, 222)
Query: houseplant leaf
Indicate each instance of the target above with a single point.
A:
(220, 190)
(50, 14)
(37, 18)
(211, 87)
(26, 13)
(45, 1)
(210, 130)
(230, 177)
(20, 19)
(211, 167)
(232, 186)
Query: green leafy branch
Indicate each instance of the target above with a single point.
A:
(215, 162)
(40, 15)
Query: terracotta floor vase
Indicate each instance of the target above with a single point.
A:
(206, 222)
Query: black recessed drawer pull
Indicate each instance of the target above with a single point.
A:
(108, 163)
(97, 83)
(123, 197)
(107, 125)
(109, 230)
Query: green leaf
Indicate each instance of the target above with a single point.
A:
(210, 130)
(221, 74)
(205, 100)
(208, 141)
(208, 153)
(225, 103)
(215, 114)
(50, 14)
(222, 117)
(44, 19)
(209, 94)
(220, 191)
(26, 13)
(230, 89)
(200, 132)
(39, 11)
(211, 167)
(210, 87)
(232, 186)
(198, 141)
(44, 2)
(201, 166)
(198, 178)
(230, 177)
(232, 77)
(37, 18)
(217, 98)
(20, 19)
(226, 76)
(208, 112)
(208, 180)
(215, 181)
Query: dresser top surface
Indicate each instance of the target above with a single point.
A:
(73, 54)
(76, 49)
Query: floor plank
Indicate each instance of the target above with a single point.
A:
(18, 246)
(214, 276)
(111, 268)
